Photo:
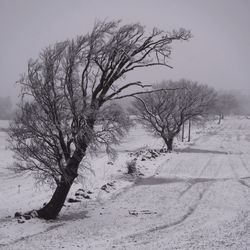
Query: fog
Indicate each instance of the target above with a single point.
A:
(218, 54)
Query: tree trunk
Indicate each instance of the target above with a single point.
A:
(183, 132)
(169, 143)
(189, 130)
(220, 118)
(53, 208)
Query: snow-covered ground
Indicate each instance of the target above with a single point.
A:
(197, 197)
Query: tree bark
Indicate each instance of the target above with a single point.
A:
(169, 143)
(183, 131)
(189, 130)
(220, 118)
(54, 206)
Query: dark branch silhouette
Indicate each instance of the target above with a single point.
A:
(164, 112)
(65, 94)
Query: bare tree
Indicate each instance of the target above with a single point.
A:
(65, 95)
(163, 113)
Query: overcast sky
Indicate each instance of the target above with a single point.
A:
(218, 54)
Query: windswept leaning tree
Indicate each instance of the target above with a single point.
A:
(65, 91)
(164, 112)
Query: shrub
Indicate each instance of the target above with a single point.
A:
(131, 166)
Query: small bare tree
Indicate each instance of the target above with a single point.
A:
(163, 113)
(64, 110)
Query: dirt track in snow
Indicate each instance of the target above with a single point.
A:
(199, 199)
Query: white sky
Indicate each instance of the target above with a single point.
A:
(218, 54)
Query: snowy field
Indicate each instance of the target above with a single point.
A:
(197, 197)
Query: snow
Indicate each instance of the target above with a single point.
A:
(197, 197)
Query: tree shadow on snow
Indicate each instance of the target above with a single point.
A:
(202, 151)
(160, 181)
(73, 216)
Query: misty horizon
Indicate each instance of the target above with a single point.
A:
(216, 55)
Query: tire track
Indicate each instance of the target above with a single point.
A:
(183, 218)
(235, 174)
(190, 211)
(192, 184)
(50, 228)
(220, 165)
(203, 170)
(244, 164)
(242, 182)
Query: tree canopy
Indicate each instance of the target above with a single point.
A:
(65, 96)
(164, 112)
